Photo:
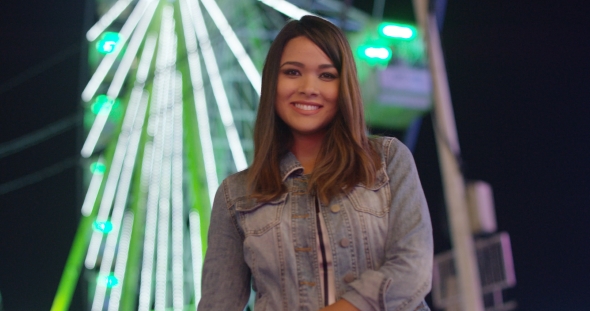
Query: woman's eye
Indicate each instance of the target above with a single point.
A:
(328, 76)
(291, 72)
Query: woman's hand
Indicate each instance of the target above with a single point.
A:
(340, 305)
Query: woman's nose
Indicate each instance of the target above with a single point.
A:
(309, 86)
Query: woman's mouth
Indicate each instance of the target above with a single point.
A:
(306, 106)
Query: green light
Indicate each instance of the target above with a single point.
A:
(102, 226)
(108, 281)
(98, 168)
(375, 53)
(101, 101)
(108, 42)
(397, 31)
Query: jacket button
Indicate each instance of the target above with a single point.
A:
(335, 208)
(349, 277)
(344, 242)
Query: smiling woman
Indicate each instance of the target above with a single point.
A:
(307, 94)
(325, 218)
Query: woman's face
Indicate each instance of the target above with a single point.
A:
(307, 89)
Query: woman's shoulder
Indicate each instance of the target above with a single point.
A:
(235, 187)
(390, 148)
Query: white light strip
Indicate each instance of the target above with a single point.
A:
(114, 174)
(286, 8)
(197, 253)
(144, 303)
(92, 193)
(107, 19)
(101, 119)
(156, 128)
(177, 203)
(121, 263)
(101, 72)
(109, 59)
(225, 112)
(120, 201)
(168, 42)
(151, 212)
(234, 44)
(200, 103)
(146, 59)
(132, 48)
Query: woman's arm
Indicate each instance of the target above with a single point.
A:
(406, 276)
(226, 277)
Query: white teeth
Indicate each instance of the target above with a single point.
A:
(306, 107)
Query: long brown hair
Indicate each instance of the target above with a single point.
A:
(346, 157)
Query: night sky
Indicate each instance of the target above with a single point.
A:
(518, 73)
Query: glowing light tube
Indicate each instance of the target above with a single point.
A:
(146, 59)
(113, 176)
(225, 112)
(92, 193)
(107, 19)
(101, 72)
(234, 44)
(108, 61)
(196, 252)
(163, 234)
(152, 203)
(121, 263)
(177, 203)
(95, 130)
(286, 8)
(120, 203)
(132, 49)
(156, 128)
(200, 103)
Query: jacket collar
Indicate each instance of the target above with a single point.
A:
(289, 165)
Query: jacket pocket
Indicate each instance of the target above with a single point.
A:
(257, 218)
(374, 200)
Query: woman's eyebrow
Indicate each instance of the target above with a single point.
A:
(301, 65)
(296, 64)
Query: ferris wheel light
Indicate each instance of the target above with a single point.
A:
(107, 19)
(102, 226)
(100, 102)
(397, 31)
(97, 168)
(108, 281)
(381, 53)
(108, 42)
(287, 8)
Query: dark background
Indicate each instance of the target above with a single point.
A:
(518, 73)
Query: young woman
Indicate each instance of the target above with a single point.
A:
(325, 218)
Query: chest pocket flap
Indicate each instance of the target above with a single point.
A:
(374, 199)
(256, 218)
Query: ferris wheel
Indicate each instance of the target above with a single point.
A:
(169, 113)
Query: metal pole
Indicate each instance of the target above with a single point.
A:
(378, 7)
(454, 186)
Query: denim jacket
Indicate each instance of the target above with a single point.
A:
(380, 237)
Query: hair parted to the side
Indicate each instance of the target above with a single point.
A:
(346, 157)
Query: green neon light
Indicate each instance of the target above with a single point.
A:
(108, 42)
(108, 281)
(102, 100)
(98, 168)
(375, 54)
(102, 226)
(397, 31)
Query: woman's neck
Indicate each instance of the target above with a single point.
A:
(306, 149)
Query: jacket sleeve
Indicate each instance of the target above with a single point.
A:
(406, 276)
(226, 277)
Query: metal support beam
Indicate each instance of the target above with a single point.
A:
(448, 148)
